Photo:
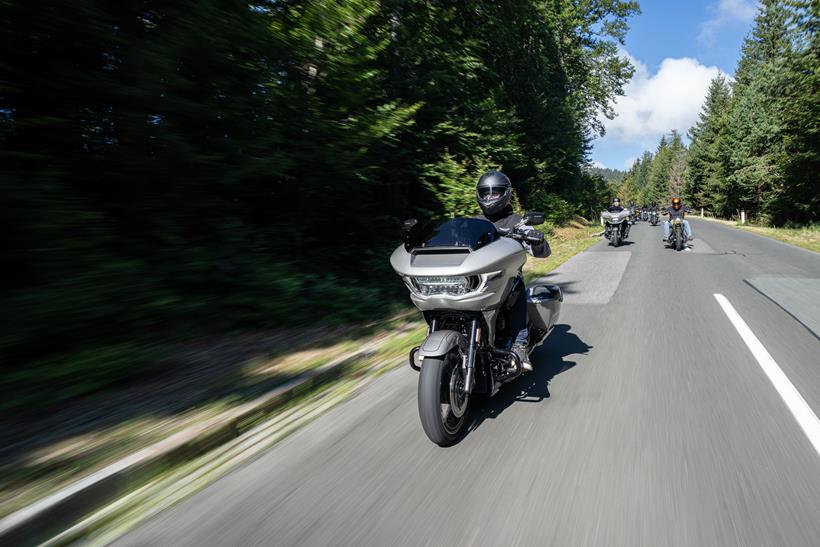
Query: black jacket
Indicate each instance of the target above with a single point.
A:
(680, 213)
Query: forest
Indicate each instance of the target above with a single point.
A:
(755, 146)
(179, 169)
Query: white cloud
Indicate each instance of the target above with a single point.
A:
(629, 162)
(654, 104)
(598, 164)
(726, 13)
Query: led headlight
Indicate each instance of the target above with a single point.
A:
(436, 284)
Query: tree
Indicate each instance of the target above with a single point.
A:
(755, 144)
(173, 168)
(656, 182)
(677, 166)
(796, 87)
(706, 163)
(756, 177)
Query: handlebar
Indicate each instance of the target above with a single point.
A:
(530, 236)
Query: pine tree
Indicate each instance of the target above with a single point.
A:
(706, 166)
(656, 183)
(677, 165)
(798, 103)
(756, 178)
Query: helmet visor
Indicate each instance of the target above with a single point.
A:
(491, 193)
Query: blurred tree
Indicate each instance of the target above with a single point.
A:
(171, 168)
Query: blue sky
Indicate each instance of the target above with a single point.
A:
(677, 48)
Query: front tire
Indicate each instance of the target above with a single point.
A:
(678, 242)
(442, 418)
(616, 237)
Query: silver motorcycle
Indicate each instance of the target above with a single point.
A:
(616, 226)
(465, 275)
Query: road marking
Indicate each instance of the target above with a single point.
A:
(801, 411)
(591, 277)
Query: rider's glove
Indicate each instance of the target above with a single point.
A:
(534, 237)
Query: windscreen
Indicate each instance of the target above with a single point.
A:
(471, 233)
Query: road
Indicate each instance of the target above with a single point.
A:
(648, 421)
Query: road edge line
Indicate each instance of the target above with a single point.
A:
(797, 405)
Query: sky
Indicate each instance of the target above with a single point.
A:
(676, 48)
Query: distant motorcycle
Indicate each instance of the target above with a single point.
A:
(635, 214)
(653, 218)
(616, 227)
(644, 215)
(677, 235)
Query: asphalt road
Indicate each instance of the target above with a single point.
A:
(648, 421)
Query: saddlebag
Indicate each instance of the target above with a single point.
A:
(543, 305)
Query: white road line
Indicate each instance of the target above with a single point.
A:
(801, 411)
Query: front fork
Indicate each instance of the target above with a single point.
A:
(469, 360)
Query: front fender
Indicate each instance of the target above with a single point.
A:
(440, 342)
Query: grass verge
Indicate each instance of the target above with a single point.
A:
(45, 462)
(565, 242)
(174, 483)
(807, 237)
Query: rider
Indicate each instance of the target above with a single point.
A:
(677, 210)
(616, 206)
(493, 192)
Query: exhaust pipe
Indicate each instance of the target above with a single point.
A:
(519, 368)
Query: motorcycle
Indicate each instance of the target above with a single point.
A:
(633, 216)
(653, 218)
(644, 215)
(677, 235)
(616, 227)
(464, 274)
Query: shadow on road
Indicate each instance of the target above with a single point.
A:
(609, 247)
(548, 361)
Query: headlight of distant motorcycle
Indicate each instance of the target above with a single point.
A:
(430, 285)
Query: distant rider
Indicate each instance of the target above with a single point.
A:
(616, 208)
(493, 192)
(677, 210)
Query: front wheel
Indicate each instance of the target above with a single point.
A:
(443, 404)
(678, 240)
(616, 237)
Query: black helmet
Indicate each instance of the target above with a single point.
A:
(493, 192)
(616, 202)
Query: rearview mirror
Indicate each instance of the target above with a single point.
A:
(533, 218)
